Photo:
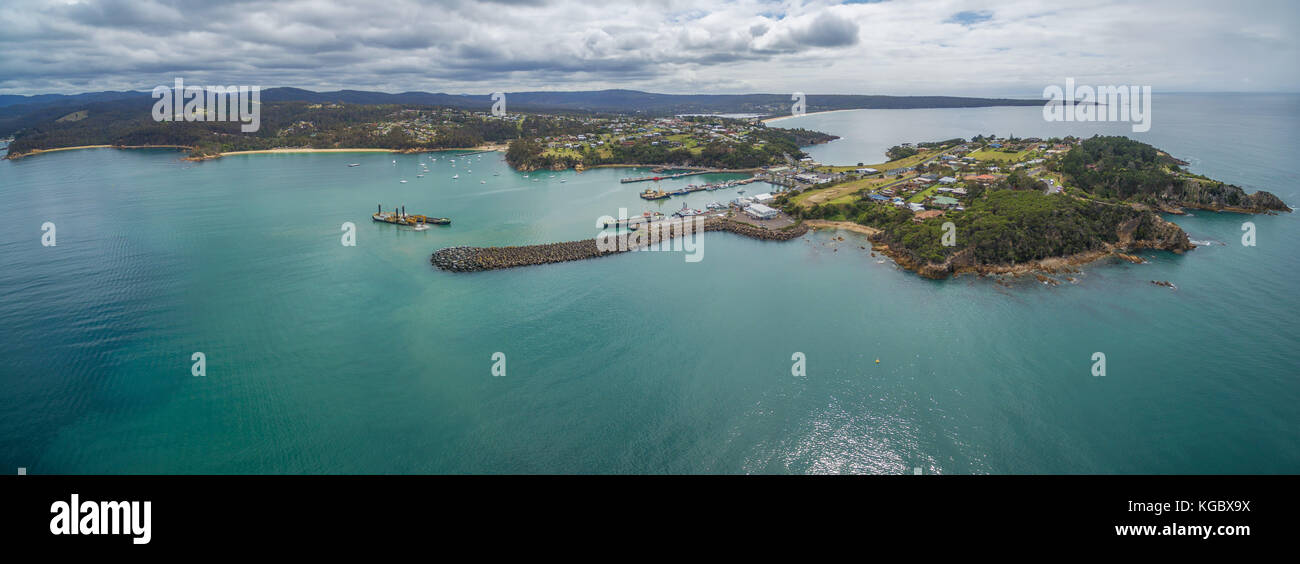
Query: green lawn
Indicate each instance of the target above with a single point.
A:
(996, 155)
(837, 193)
(883, 167)
(923, 194)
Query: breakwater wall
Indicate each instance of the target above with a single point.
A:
(474, 259)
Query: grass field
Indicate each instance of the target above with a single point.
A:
(995, 155)
(840, 193)
(882, 167)
(923, 194)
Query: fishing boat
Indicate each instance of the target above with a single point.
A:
(680, 192)
(652, 194)
(687, 212)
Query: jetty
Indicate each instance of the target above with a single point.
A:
(477, 259)
(652, 194)
(682, 174)
(634, 222)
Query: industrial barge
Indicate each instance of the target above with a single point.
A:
(399, 217)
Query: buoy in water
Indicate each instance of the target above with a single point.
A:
(877, 361)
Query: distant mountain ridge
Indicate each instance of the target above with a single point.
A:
(616, 101)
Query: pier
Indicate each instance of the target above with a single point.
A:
(670, 176)
(633, 222)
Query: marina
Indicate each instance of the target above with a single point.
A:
(653, 194)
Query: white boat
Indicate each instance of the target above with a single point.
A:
(403, 181)
(455, 176)
(354, 164)
(419, 176)
(482, 182)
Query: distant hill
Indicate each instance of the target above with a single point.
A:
(17, 112)
(637, 102)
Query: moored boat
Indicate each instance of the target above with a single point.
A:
(400, 217)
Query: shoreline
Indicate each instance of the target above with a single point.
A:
(945, 270)
(779, 118)
(35, 152)
(291, 150)
(481, 148)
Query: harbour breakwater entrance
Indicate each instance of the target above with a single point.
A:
(475, 259)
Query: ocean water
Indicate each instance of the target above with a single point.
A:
(322, 358)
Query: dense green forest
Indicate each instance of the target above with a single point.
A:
(1002, 226)
(765, 146)
(1120, 168)
(284, 124)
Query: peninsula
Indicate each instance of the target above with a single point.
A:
(1004, 206)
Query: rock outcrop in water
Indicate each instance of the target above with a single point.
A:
(474, 259)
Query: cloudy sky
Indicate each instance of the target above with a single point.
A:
(1003, 47)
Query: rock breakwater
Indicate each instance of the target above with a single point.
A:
(475, 259)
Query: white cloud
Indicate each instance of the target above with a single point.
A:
(994, 48)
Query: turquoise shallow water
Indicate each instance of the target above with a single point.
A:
(330, 359)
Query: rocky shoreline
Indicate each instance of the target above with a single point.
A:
(477, 259)
(1169, 237)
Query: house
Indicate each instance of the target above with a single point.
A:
(764, 197)
(867, 171)
(915, 207)
(947, 180)
(760, 211)
(944, 202)
(927, 214)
